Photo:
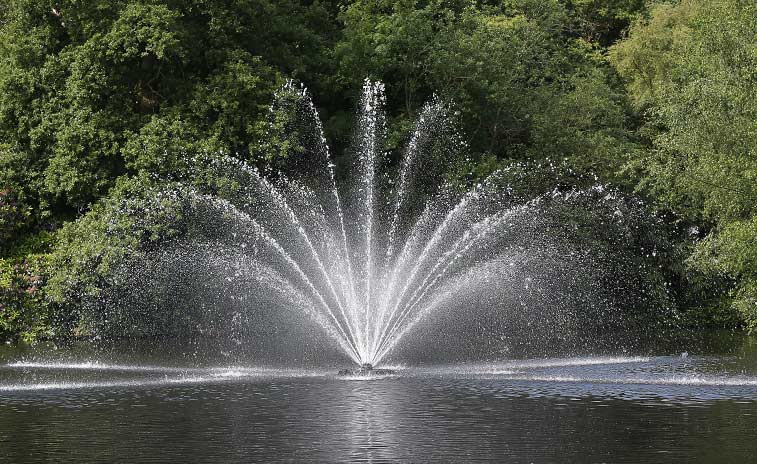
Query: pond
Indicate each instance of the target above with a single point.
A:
(62, 406)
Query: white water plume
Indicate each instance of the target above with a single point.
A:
(369, 258)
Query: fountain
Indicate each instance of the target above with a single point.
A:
(399, 243)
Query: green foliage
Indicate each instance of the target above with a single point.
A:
(92, 92)
(603, 21)
(24, 309)
(732, 251)
(690, 70)
(131, 218)
(526, 88)
(101, 256)
(13, 216)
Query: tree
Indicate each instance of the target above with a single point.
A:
(690, 71)
(603, 21)
(525, 87)
(90, 92)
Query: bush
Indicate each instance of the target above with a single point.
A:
(14, 216)
(24, 308)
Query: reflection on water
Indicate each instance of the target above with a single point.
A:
(616, 409)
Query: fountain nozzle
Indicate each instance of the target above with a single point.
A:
(366, 369)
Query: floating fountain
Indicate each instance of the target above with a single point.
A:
(370, 258)
(366, 369)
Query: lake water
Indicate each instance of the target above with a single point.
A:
(64, 407)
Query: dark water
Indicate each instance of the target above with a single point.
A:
(698, 408)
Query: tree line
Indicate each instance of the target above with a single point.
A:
(653, 98)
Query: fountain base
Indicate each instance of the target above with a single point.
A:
(366, 370)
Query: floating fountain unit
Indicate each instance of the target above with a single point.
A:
(366, 370)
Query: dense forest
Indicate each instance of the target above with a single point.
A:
(100, 98)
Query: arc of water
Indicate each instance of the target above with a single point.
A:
(267, 238)
(274, 280)
(392, 342)
(471, 196)
(419, 315)
(324, 148)
(392, 325)
(307, 281)
(292, 216)
(348, 294)
(436, 237)
(486, 226)
(407, 162)
(496, 218)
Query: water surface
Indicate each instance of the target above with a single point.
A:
(693, 408)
